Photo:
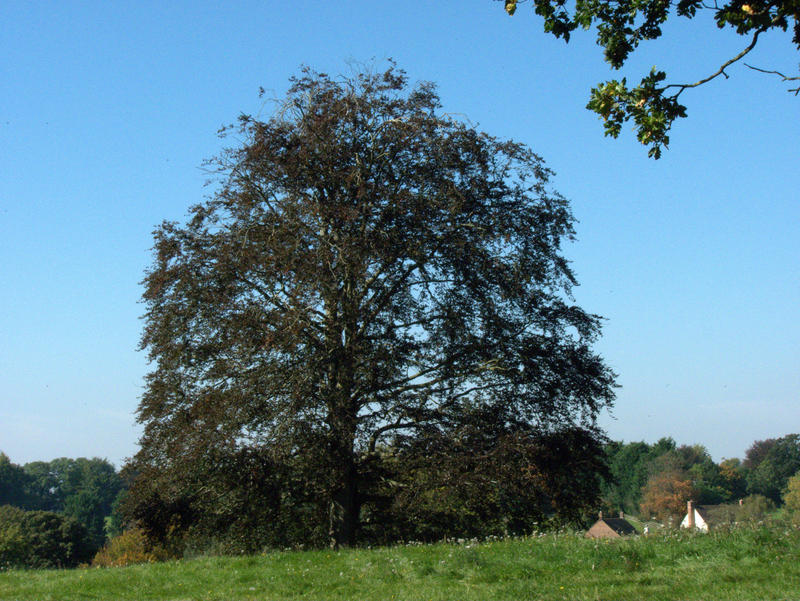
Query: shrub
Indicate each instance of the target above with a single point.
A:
(754, 508)
(791, 498)
(128, 548)
(42, 539)
(12, 543)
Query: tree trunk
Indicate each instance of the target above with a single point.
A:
(345, 508)
(342, 418)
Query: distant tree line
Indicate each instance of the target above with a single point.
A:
(56, 513)
(656, 480)
(464, 483)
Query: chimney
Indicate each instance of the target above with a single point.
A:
(690, 515)
(600, 513)
(622, 515)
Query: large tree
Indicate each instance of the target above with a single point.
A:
(42, 539)
(82, 488)
(621, 25)
(367, 268)
(665, 495)
(630, 467)
(757, 452)
(15, 485)
(770, 475)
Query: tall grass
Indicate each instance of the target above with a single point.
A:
(743, 563)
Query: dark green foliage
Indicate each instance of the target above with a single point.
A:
(15, 485)
(114, 524)
(42, 539)
(621, 25)
(45, 486)
(732, 474)
(82, 488)
(479, 482)
(367, 269)
(630, 465)
(710, 483)
(757, 453)
(90, 509)
(235, 502)
(465, 483)
(633, 464)
(695, 463)
(771, 474)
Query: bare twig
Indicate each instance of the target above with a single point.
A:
(779, 74)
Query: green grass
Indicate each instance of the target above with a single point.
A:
(741, 564)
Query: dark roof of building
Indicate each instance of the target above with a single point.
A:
(714, 515)
(610, 528)
(620, 525)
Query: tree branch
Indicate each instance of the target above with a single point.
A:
(398, 425)
(721, 70)
(779, 74)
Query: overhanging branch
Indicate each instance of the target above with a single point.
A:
(720, 71)
(779, 74)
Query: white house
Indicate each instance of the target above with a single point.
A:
(694, 518)
(708, 516)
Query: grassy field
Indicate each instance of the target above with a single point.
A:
(751, 563)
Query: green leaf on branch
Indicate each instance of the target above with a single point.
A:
(651, 111)
(621, 25)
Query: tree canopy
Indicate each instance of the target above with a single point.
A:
(665, 495)
(791, 497)
(621, 25)
(629, 464)
(42, 539)
(15, 485)
(81, 488)
(368, 270)
(658, 479)
(771, 474)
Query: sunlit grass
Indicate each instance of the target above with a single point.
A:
(740, 564)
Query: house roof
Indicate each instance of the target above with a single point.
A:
(714, 515)
(620, 525)
(610, 527)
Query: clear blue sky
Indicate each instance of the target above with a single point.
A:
(107, 110)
